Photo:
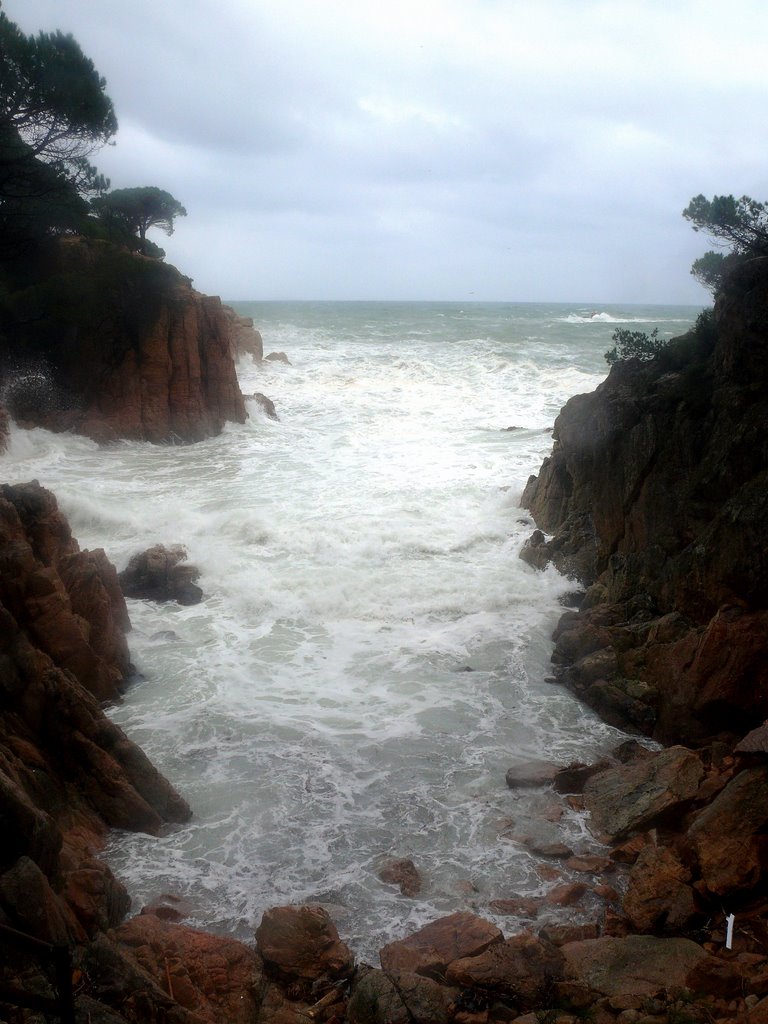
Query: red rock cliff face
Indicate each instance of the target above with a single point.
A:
(657, 495)
(177, 384)
(132, 349)
(67, 774)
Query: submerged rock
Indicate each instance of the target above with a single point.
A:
(403, 872)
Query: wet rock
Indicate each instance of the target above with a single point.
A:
(169, 907)
(98, 900)
(542, 848)
(519, 906)
(66, 601)
(432, 948)
(398, 997)
(158, 575)
(754, 745)
(401, 872)
(163, 371)
(640, 965)
(213, 977)
(523, 968)
(636, 796)
(659, 897)
(530, 774)
(560, 934)
(302, 942)
(574, 777)
(590, 864)
(32, 906)
(266, 404)
(244, 339)
(535, 551)
(566, 895)
(728, 835)
(278, 357)
(628, 851)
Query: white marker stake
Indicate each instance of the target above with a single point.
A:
(729, 933)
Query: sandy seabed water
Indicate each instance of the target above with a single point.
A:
(371, 654)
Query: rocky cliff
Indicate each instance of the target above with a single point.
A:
(114, 345)
(656, 497)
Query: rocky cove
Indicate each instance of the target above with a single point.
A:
(653, 501)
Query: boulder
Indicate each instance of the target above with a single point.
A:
(158, 575)
(530, 774)
(302, 943)
(211, 976)
(432, 948)
(659, 897)
(266, 404)
(278, 357)
(523, 968)
(398, 997)
(401, 872)
(638, 965)
(641, 794)
(729, 834)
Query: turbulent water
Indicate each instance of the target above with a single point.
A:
(371, 654)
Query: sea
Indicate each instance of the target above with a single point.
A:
(371, 654)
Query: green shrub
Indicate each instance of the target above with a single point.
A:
(634, 345)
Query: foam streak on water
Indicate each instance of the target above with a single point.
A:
(356, 557)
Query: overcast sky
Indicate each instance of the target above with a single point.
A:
(517, 150)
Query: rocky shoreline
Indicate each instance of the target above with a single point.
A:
(654, 503)
(683, 833)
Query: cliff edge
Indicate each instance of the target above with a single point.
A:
(656, 497)
(112, 344)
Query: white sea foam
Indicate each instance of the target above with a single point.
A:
(357, 556)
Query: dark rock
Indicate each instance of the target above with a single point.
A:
(530, 774)
(755, 744)
(278, 357)
(266, 404)
(573, 777)
(158, 575)
(147, 358)
(398, 997)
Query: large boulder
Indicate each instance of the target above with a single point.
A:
(397, 997)
(659, 897)
(523, 968)
(302, 943)
(729, 835)
(638, 965)
(639, 795)
(432, 948)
